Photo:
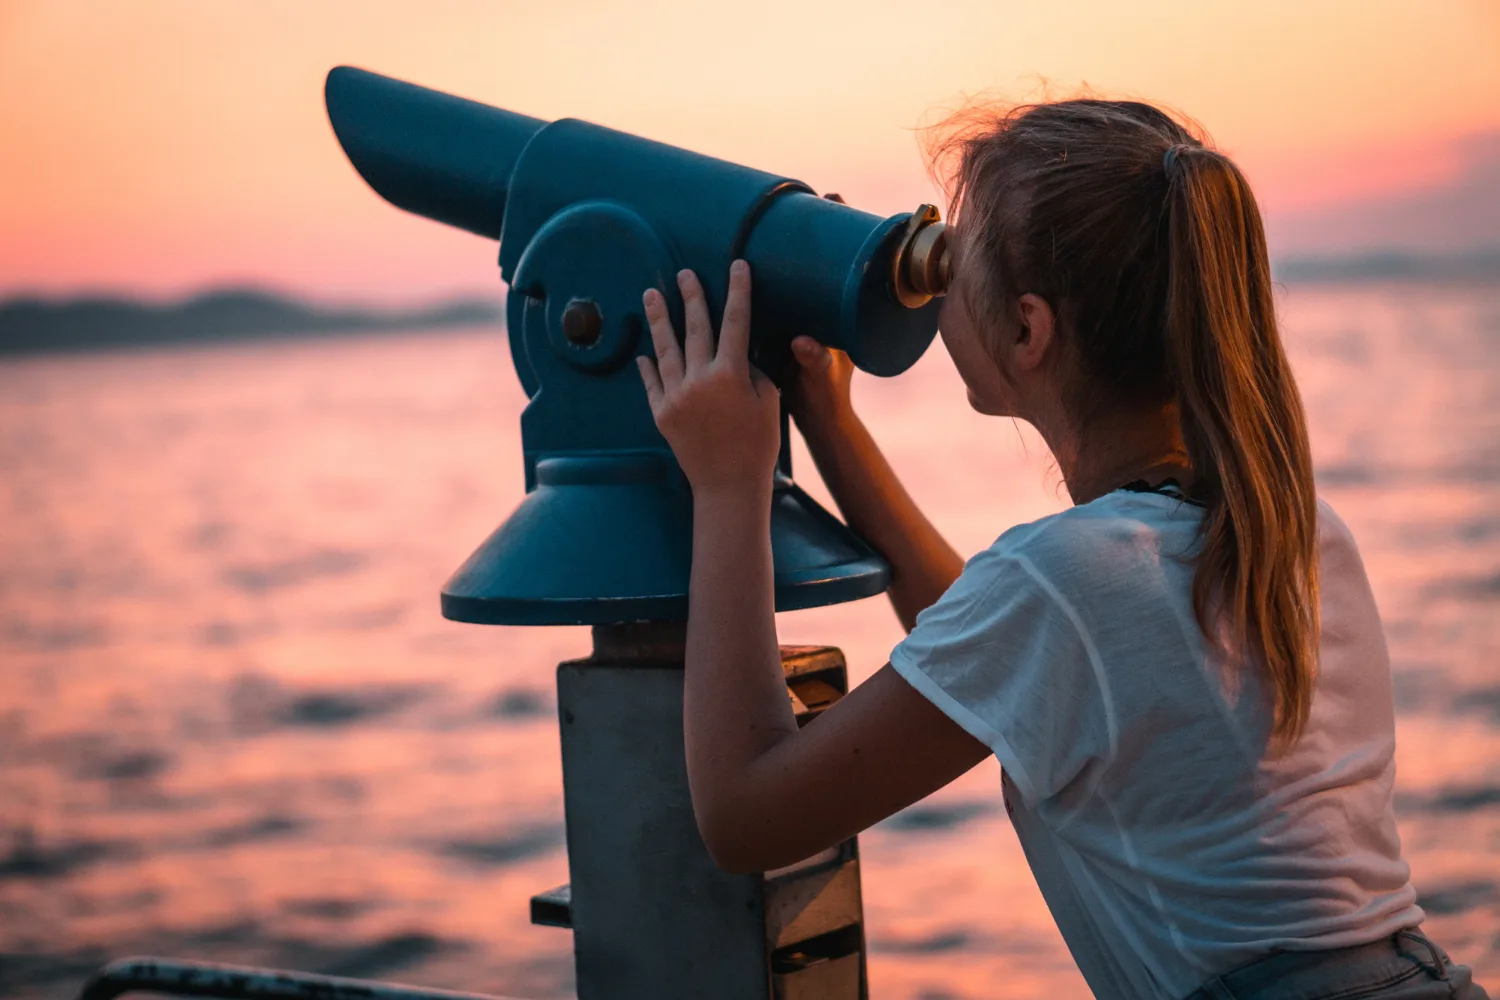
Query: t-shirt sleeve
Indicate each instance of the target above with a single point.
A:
(1003, 654)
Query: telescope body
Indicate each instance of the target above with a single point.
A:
(588, 218)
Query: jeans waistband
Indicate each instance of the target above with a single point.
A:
(1331, 972)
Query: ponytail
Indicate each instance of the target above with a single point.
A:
(1256, 583)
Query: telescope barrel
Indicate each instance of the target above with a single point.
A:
(853, 280)
(439, 156)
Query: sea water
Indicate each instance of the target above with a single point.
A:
(234, 726)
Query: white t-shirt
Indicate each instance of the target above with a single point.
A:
(1169, 845)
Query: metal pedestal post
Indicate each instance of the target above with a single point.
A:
(652, 915)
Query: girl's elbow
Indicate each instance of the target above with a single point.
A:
(728, 846)
(735, 861)
(742, 830)
(740, 846)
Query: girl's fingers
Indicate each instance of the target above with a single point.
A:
(668, 355)
(734, 338)
(762, 382)
(698, 346)
(811, 355)
(651, 379)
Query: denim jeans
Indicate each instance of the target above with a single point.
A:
(1404, 966)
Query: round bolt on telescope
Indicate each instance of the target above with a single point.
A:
(587, 219)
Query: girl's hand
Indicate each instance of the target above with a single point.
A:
(718, 412)
(820, 393)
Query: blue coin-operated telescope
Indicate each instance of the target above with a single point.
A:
(587, 219)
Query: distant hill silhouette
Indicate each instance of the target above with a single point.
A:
(1478, 266)
(32, 324)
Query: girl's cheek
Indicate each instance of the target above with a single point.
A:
(978, 405)
(991, 403)
(976, 368)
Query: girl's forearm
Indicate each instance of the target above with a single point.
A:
(764, 792)
(876, 505)
(735, 704)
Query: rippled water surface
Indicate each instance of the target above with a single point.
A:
(233, 725)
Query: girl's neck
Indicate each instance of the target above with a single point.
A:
(1121, 447)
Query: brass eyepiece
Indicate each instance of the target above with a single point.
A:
(922, 265)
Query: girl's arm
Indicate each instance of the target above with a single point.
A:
(766, 794)
(864, 485)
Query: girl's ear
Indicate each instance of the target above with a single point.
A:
(1038, 325)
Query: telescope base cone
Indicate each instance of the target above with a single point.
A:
(605, 540)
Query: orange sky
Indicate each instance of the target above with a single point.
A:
(160, 146)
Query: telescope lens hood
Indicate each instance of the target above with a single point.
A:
(442, 157)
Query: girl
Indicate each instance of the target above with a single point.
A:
(1183, 677)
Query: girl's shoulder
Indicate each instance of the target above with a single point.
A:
(1113, 524)
(1125, 539)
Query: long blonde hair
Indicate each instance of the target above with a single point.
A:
(1148, 244)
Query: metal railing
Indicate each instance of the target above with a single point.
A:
(231, 982)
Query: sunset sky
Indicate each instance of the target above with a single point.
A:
(159, 147)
